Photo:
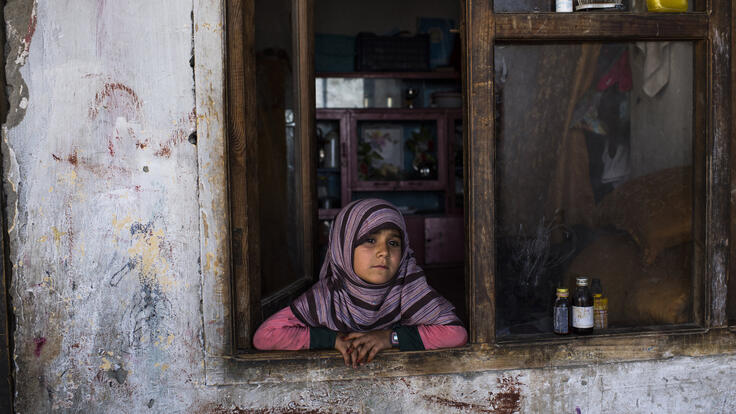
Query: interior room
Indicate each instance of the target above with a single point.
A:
(388, 124)
(591, 138)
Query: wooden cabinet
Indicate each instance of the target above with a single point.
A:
(410, 157)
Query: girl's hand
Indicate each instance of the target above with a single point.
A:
(365, 345)
(343, 346)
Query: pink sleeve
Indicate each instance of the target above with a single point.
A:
(442, 336)
(282, 331)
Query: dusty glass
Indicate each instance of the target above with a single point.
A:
(599, 170)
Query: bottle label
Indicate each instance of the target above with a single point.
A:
(563, 6)
(582, 316)
(561, 321)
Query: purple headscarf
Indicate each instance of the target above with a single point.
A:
(344, 302)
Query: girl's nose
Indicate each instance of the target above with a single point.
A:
(382, 250)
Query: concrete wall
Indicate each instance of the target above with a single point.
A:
(106, 201)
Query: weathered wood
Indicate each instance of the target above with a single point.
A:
(719, 134)
(600, 26)
(303, 11)
(243, 167)
(731, 300)
(700, 139)
(478, 30)
(307, 366)
(214, 239)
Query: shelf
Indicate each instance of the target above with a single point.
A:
(393, 75)
(600, 26)
(406, 113)
(405, 185)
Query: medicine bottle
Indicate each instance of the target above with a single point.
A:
(600, 311)
(561, 313)
(582, 307)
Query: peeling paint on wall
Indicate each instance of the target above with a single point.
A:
(118, 240)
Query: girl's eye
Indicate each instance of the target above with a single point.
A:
(369, 241)
(394, 243)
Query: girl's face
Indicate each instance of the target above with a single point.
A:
(377, 258)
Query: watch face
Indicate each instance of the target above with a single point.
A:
(394, 338)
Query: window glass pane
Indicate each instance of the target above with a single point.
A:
(642, 6)
(278, 147)
(596, 157)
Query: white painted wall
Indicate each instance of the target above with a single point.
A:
(109, 267)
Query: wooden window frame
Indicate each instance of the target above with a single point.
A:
(712, 134)
(221, 69)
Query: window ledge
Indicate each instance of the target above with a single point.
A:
(308, 366)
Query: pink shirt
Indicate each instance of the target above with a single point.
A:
(283, 331)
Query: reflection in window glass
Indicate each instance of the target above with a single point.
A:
(277, 142)
(594, 178)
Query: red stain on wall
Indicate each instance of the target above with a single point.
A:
(179, 135)
(40, 342)
(165, 151)
(31, 29)
(110, 148)
(117, 98)
(508, 399)
(219, 409)
(458, 405)
(104, 170)
(26, 41)
(72, 158)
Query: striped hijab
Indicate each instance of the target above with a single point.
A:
(343, 302)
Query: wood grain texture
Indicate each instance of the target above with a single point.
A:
(308, 366)
(479, 24)
(717, 219)
(214, 213)
(243, 166)
(731, 300)
(304, 92)
(600, 26)
(700, 139)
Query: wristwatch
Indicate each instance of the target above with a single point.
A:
(394, 339)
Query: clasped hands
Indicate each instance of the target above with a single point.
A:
(358, 348)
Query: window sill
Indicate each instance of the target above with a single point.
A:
(308, 366)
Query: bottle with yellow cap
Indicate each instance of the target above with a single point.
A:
(561, 313)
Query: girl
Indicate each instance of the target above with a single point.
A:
(371, 295)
